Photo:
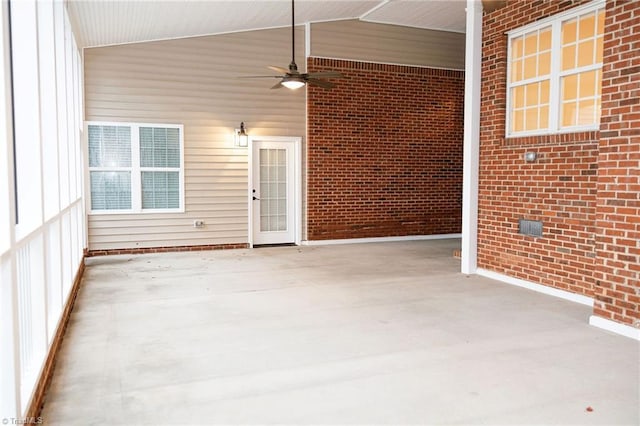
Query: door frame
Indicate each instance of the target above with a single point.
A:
(297, 183)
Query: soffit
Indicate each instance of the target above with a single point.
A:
(102, 23)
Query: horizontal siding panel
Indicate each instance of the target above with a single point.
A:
(240, 180)
(365, 41)
(209, 151)
(193, 94)
(196, 160)
(215, 208)
(228, 195)
(234, 173)
(186, 229)
(199, 210)
(218, 186)
(164, 239)
(222, 216)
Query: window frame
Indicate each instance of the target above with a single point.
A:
(555, 76)
(136, 169)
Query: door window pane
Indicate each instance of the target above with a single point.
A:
(273, 190)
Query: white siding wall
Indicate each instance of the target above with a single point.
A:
(194, 82)
(42, 225)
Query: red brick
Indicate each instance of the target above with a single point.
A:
(583, 186)
(384, 151)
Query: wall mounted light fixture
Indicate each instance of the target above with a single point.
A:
(530, 156)
(241, 137)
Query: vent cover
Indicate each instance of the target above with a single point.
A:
(530, 227)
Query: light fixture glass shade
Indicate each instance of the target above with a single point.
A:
(242, 138)
(292, 82)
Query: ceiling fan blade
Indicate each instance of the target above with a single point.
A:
(278, 69)
(260, 76)
(321, 83)
(325, 74)
(278, 85)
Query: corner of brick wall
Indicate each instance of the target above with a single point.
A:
(585, 187)
(558, 189)
(384, 151)
(617, 286)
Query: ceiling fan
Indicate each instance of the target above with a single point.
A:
(292, 78)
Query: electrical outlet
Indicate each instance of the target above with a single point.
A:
(198, 223)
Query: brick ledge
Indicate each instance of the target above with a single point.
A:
(166, 249)
(554, 139)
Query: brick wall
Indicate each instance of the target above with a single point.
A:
(617, 289)
(559, 188)
(384, 151)
(585, 186)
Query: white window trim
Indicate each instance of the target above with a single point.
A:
(136, 169)
(555, 23)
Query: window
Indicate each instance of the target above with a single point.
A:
(555, 73)
(135, 168)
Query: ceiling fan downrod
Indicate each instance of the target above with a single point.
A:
(292, 78)
(292, 65)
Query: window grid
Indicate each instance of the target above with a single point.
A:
(542, 99)
(160, 167)
(530, 70)
(110, 190)
(582, 45)
(273, 190)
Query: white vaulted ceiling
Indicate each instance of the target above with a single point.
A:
(435, 15)
(107, 22)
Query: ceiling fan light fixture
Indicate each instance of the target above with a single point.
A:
(292, 83)
(291, 78)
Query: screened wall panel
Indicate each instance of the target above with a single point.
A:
(41, 255)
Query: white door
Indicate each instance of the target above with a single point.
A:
(273, 193)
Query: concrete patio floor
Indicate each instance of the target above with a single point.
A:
(349, 334)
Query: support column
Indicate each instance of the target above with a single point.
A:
(473, 66)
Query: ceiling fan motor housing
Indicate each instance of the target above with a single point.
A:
(292, 78)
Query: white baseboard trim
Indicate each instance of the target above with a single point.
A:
(380, 239)
(562, 294)
(615, 327)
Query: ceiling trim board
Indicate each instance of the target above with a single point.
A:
(191, 36)
(375, 8)
(373, 21)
